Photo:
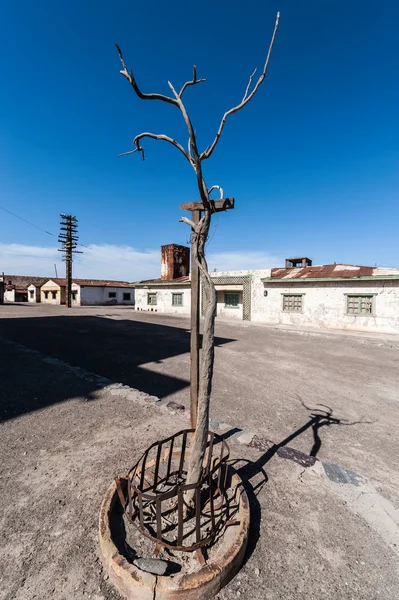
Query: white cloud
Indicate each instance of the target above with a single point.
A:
(107, 261)
(97, 262)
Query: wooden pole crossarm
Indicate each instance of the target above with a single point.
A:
(218, 205)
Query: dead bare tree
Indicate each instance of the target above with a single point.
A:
(200, 233)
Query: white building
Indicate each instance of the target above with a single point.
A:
(338, 296)
(87, 292)
(18, 288)
(334, 296)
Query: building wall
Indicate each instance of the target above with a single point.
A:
(50, 287)
(91, 295)
(257, 292)
(324, 305)
(9, 295)
(36, 293)
(164, 299)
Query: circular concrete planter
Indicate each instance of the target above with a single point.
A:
(205, 583)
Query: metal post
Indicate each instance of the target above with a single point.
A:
(194, 340)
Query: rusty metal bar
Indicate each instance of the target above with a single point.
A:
(141, 515)
(157, 465)
(183, 451)
(145, 505)
(198, 514)
(158, 505)
(180, 517)
(211, 501)
(170, 458)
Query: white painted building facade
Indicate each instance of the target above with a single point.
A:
(88, 292)
(329, 296)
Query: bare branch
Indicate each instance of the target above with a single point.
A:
(207, 153)
(132, 152)
(249, 85)
(157, 136)
(217, 187)
(194, 81)
(187, 221)
(130, 77)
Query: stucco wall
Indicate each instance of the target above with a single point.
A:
(324, 305)
(91, 295)
(50, 287)
(36, 293)
(164, 299)
(9, 295)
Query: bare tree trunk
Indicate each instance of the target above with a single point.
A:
(200, 233)
(200, 440)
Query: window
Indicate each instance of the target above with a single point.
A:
(292, 303)
(74, 294)
(31, 293)
(54, 294)
(360, 305)
(111, 294)
(152, 299)
(231, 300)
(126, 296)
(46, 295)
(177, 299)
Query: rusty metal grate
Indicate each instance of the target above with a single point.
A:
(153, 493)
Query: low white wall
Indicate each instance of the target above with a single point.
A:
(9, 295)
(164, 299)
(325, 305)
(91, 295)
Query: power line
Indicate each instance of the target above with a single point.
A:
(26, 221)
(53, 234)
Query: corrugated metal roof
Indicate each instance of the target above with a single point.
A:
(336, 271)
(183, 279)
(93, 282)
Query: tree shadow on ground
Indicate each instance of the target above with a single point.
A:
(123, 350)
(253, 474)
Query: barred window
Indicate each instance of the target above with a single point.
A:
(231, 300)
(292, 303)
(152, 299)
(360, 305)
(177, 299)
(126, 296)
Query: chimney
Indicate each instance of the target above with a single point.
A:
(302, 262)
(175, 261)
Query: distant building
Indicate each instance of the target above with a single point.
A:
(86, 292)
(337, 296)
(16, 287)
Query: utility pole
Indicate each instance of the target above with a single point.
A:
(69, 241)
(196, 208)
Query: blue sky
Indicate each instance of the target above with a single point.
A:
(312, 161)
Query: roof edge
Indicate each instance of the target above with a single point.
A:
(306, 279)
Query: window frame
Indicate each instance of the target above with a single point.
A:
(31, 293)
(174, 296)
(54, 294)
(359, 297)
(129, 299)
(295, 312)
(111, 295)
(154, 296)
(233, 306)
(45, 292)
